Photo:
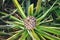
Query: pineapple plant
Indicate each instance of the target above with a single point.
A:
(30, 24)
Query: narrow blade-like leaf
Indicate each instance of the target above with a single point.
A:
(24, 35)
(49, 30)
(15, 36)
(38, 7)
(18, 6)
(30, 10)
(47, 35)
(40, 18)
(33, 35)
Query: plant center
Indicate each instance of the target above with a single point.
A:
(30, 22)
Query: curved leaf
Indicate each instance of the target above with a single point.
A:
(49, 30)
(15, 36)
(47, 35)
(11, 17)
(18, 6)
(24, 35)
(38, 7)
(33, 35)
(30, 10)
(40, 18)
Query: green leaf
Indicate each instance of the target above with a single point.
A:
(5, 34)
(33, 35)
(15, 36)
(40, 18)
(54, 8)
(18, 6)
(15, 24)
(49, 30)
(27, 5)
(56, 24)
(11, 17)
(14, 18)
(30, 10)
(47, 35)
(28, 38)
(41, 37)
(57, 11)
(52, 27)
(24, 35)
(58, 19)
(5, 26)
(4, 13)
(38, 7)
